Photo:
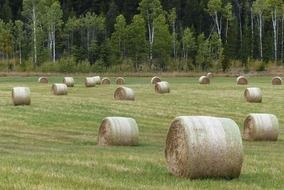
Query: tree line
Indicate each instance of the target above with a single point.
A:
(141, 35)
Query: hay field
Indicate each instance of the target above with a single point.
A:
(52, 143)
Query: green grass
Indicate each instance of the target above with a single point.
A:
(52, 143)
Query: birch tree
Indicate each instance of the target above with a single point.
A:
(172, 20)
(150, 9)
(19, 36)
(215, 9)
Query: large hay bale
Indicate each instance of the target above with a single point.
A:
(276, 81)
(90, 82)
(155, 79)
(202, 147)
(253, 95)
(241, 80)
(204, 80)
(97, 79)
(59, 89)
(69, 81)
(43, 80)
(124, 93)
(261, 127)
(105, 81)
(162, 87)
(118, 131)
(209, 75)
(21, 96)
(120, 81)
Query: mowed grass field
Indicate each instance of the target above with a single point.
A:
(52, 144)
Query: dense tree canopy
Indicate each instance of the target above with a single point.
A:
(139, 34)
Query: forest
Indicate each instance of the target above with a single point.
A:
(140, 35)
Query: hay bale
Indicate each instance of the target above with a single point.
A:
(209, 75)
(162, 87)
(202, 147)
(21, 96)
(43, 80)
(118, 131)
(241, 80)
(120, 81)
(253, 95)
(59, 89)
(105, 81)
(261, 127)
(69, 81)
(97, 79)
(276, 81)
(155, 79)
(90, 82)
(204, 80)
(124, 93)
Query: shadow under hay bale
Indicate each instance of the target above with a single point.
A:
(105, 81)
(155, 80)
(59, 89)
(90, 82)
(120, 81)
(204, 80)
(202, 147)
(276, 81)
(43, 80)
(162, 87)
(124, 93)
(118, 131)
(21, 96)
(253, 95)
(261, 127)
(210, 75)
(241, 80)
(69, 81)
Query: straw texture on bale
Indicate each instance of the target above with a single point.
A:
(118, 131)
(43, 80)
(59, 89)
(204, 80)
(124, 93)
(97, 79)
(241, 80)
(209, 75)
(106, 81)
(90, 82)
(276, 81)
(155, 80)
(162, 87)
(21, 96)
(120, 81)
(202, 147)
(69, 81)
(253, 95)
(261, 127)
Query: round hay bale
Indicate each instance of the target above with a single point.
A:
(204, 80)
(105, 81)
(124, 93)
(118, 131)
(209, 75)
(202, 147)
(43, 80)
(21, 96)
(90, 82)
(69, 81)
(155, 79)
(59, 89)
(261, 127)
(276, 81)
(162, 87)
(253, 95)
(97, 79)
(241, 80)
(120, 81)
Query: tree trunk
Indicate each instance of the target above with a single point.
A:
(20, 52)
(282, 32)
(260, 36)
(34, 36)
(54, 43)
(274, 23)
